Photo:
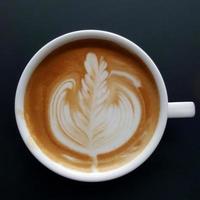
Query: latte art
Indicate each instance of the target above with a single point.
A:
(104, 118)
(91, 106)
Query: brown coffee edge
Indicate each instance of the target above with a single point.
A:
(86, 161)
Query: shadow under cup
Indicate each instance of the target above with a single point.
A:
(108, 112)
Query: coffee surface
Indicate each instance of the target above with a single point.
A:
(91, 105)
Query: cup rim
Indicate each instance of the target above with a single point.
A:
(58, 168)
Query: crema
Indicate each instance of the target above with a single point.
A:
(92, 105)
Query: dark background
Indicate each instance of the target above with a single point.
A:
(169, 31)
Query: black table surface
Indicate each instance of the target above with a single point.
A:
(169, 31)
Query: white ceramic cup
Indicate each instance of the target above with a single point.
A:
(167, 110)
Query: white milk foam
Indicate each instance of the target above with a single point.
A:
(97, 125)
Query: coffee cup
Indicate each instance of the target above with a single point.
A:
(166, 109)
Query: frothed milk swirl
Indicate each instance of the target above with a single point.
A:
(99, 123)
(93, 108)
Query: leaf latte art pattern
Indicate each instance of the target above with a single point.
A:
(107, 114)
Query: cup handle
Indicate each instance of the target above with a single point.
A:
(181, 109)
